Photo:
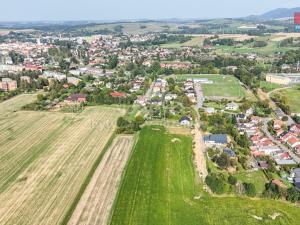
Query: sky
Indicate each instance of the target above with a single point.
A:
(58, 10)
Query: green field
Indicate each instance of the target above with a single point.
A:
(267, 87)
(223, 86)
(159, 188)
(293, 96)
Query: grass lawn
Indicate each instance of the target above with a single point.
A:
(223, 86)
(293, 96)
(258, 178)
(267, 87)
(159, 188)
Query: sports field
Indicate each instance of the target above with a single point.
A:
(45, 159)
(159, 188)
(223, 85)
(293, 96)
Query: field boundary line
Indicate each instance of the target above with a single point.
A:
(136, 138)
(87, 180)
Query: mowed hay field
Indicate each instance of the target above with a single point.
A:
(223, 85)
(159, 187)
(45, 158)
(95, 204)
(16, 103)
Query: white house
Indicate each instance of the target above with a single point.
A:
(232, 106)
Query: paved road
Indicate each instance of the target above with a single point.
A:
(278, 143)
(266, 96)
(149, 92)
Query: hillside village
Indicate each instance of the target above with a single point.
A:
(237, 110)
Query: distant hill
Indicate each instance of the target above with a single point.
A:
(280, 13)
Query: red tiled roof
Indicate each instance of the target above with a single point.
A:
(117, 94)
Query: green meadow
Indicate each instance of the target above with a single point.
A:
(160, 187)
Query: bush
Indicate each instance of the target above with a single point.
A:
(232, 180)
(250, 189)
(215, 183)
(292, 195)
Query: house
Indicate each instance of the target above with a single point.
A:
(185, 121)
(249, 112)
(25, 79)
(279, 183)
(73, 80)
(77, 98)
(229, 152)
(278, 124)
(293, 142)
(295, 128)
(232, 106)
(8, 84)
(241, 117)
(263, 165)
(216, 139)
(117, 94)
(210, 110)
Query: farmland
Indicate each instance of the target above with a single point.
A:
(16, 103)
(94, 206)
(223, 86)
(292, 95)
(45, 158)
(159, 187)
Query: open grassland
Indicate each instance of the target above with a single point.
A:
(293, 98)
(159, 188)
(223, 85)
(95, 204)
(16, 103)
(267, 87)
(45, 159)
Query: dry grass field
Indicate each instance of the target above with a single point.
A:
(45, 158)
(16, 103)
(95, 204)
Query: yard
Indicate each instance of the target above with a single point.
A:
(223, 85)
(293, 96)
(45, 159)
(159, 187)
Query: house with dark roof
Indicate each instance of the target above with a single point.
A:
(229, 152)
(216, 139)
(185, 121)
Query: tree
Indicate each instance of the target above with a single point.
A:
(215, 183)
(113, 61)
(223, 161)
(232, 180)
(250, 189)
(121, 122)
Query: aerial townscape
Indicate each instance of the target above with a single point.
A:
(151, 122)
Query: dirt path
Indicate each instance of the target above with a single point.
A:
(96, 202)
(199, 150)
